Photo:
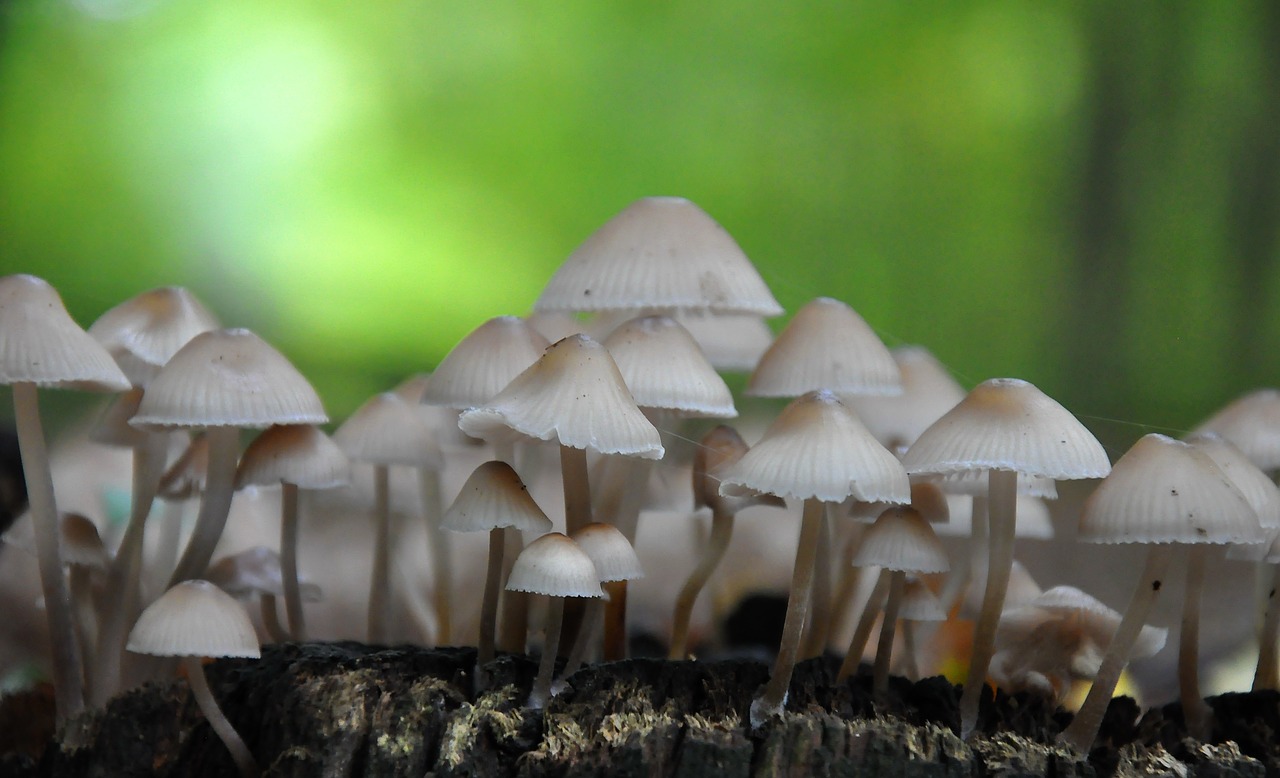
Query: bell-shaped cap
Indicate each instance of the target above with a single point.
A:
(610, 552)
(441, 419)
(81, 544)
(145, 331)
(919, 603)
(253, 572)
(554, 565)
(826, 345)
(556, 325)
(298, 454)
(189, 473)
(113, 427)
(660, 252)
(574, 395)
(1166, 491)
(928, 500)
(664, 368)
(195, 618)
(483, 363)
(928, 392)
(733, 342)
(817, 448)
(41, 344)
(1251, 423)
(388, 431)
(1022, 590)
(1257, 488)
(494, 497)
(1094, 620)
(228, 378)
(901, 539)
(1008, 424)
(718, 450)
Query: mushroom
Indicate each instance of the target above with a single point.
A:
(196, 620)
(919, 603)
(616, 564)
(257, 572)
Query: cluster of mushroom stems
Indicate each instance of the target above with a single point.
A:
(643, 315)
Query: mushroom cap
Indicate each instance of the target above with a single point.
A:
(1008, 424)
(826, 345)
(1165, 491)
(817, 448)
(919, 603)
(1257, 488)
(610, 552)
(484, 362)
(732, 342)
(441, 419)
(81, 544)
(928, 392)
(494, 497)
(663, 367)
(195, 618)
(386, 430)
(1251, 423)
(113, 427)
(901, 539)
(1022, 590)
(574, 395)
(554, 565)
(144, 332)
(228, 378)
(718, 450)
(41, 344)
(926, 498)
(252, 572)
(659, 252)
(298, 454)
(187, 476)
(1095, 621)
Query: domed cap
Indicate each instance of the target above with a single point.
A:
(928, 392)
(388, 431)
(664, 368)
(902, 540)
(113, 427)
(1165, 491)
(554, 565)
(81, 543)
(228, 378)
(42, 345)
(195, 618)
(718, 450)
(660, 252)
(733, 342)
(494, 497)
(252, 572)
(1094, 620)
(919, 603)
(574, 395)
(1257, 488)
(1251, 423)
(817, 448)
(1008, 424)
(610, 552)
(484, 362)
(826, 345)
(144, 332)
(297, 454)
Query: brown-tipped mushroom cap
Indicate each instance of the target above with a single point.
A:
(928, 392)
(254, 571)
(659, 252)
(664, 368)
(554, 565)
(494, 497)
(42, 345)
(297, 454)
(610, 552)
(826, 345)
(195, 618)
(388, 431)
(1251, 423)
(574, 395)
(901, 539)
(1257, 488)
(718, 450)
(817, 448)
(81, 544)
(145, 331)
(228, 378)
(484, 362)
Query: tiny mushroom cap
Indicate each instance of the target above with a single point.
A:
(817, 448)
(926, 498)
(81, 544)
(1257, 488)
(901, 539)
(494, 497)
(1093, 618)
(388, 431)
(254, 571)
(484, 362)
(1251, 423)
(555, 566)
(113, 427)
(919, 603)
(718, 450)
(187, 477)
(195, 618)
(664, 368)
(928, 392)
(144, 332)
(575, 395)
(298, 454)
(41, 344)
(228, 378)
(441, 419)
(659, 252)
(610, 552)
(1165, 491)
(826, 345)
(1008, 424)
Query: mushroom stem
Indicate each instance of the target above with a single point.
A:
(289, 562)
(68, 680)
(489, 603)
(215, 504)
(577, 492)
(1084, 727)
(721, 533)
(441, 559)
(861, 633)
(910, 664)
(774, 697)
(217, 719)
(884, 648)
(82, 605)
(849, 578)
(1195, 712)
(379, 587)
(1267, 674)
(271, 619)
(168, 541)
(615, 621)
(1002, 496)
(547, 665)
(815, 643)
(590, 626)
(515, 605)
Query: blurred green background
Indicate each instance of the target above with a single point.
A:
(1081, 194)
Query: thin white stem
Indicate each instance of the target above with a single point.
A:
(1267, 674)
(168, 541)
(884, 648)
(862, 633)
(271, 619)
(515, 605)
(215, 504)
(380, 586)
(489, 603)
(441, 558)
(547, 665)
(819, 626)
(218, 720)
(1195, 711)
(289, 562)
(586, 636)
(721, 533)
(577, 491)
